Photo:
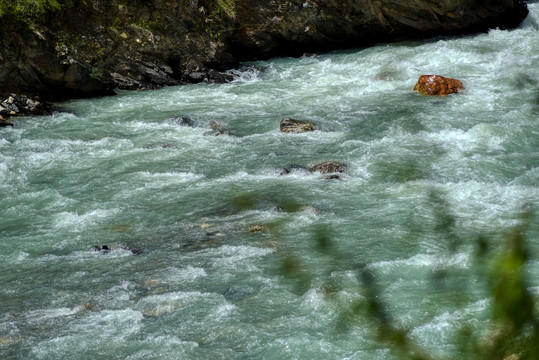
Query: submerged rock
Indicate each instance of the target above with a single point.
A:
(329, 167)
(258, 228)
(289, 125)
(437, 85)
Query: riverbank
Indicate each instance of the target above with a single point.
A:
(92, 48)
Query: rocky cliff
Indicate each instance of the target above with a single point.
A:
(90, 47)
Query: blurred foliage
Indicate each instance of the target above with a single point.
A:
(510, 333)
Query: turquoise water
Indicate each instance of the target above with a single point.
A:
(124, 172)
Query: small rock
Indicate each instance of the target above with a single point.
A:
(258, 228)
(184, 121)
(289, 125)
(437, 85)
(106, 248)
(329, 167)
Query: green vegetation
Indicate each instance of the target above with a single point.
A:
(227, 7)
(29, 8)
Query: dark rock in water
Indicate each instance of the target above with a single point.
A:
(4, 123)
(133, 250)
(437, 85)
(208, 76)
(293, 168)
(289, 125)
(183, 121)
(329, 167)
(106, 248)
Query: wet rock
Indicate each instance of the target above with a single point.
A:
(133, 250)
(4, 122)
(329, 167)
(208, 76)
(289, 125)
(95, 248)
(258, 228)
(184, 121)
(106, 248)
(437, 85)
(333, 177)
(22, 105)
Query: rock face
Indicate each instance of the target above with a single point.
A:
(437, 85)
(289, 125)
(92, 47)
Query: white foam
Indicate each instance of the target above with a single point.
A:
(77, 222)
(429, 261)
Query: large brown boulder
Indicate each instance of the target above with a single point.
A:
(437, 85)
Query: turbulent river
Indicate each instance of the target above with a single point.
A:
(239, 261)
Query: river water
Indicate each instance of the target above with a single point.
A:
(425, 177)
